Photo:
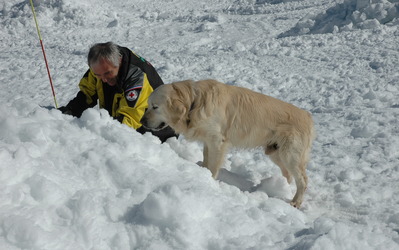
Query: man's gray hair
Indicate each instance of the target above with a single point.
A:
(108, 51)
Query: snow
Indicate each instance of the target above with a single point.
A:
(92, 183)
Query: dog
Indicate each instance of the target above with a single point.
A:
(221, 116)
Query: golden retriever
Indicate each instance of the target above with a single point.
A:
(220, 115)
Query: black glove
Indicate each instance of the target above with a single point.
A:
(65, 110)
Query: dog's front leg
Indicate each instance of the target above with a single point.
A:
(214, 156)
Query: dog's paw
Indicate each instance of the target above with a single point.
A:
(296, 204)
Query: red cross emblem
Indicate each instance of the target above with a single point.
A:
(132, 95)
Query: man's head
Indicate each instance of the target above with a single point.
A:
(104, 59)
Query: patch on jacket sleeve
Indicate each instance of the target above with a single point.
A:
(133, 94)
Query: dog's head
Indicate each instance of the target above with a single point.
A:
(170, 105)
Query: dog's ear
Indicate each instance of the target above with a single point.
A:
(178, 106)
(179, 111)
(183, 91)
(181, 101)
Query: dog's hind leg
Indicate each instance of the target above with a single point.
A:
(296, 166)
(292, 162)
(301, 180)
(275, 157)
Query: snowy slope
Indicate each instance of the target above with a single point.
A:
(92, 183)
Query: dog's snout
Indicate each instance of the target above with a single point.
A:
(143, 121)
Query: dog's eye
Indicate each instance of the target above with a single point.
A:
(154, 107)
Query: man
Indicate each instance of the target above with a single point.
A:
(121, 82)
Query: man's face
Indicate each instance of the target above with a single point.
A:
(106, 71)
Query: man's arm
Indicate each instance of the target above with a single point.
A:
(83, 99)
(134, 103)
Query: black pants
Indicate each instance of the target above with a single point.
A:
(163, 134)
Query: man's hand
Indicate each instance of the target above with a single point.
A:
(65, 110)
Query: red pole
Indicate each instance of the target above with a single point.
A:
(44, 53)
(48, 73)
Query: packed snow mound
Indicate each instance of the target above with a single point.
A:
(346, 16)
(253, 7)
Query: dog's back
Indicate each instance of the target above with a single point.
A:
(250, 119)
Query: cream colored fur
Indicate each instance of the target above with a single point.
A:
(221, 116)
